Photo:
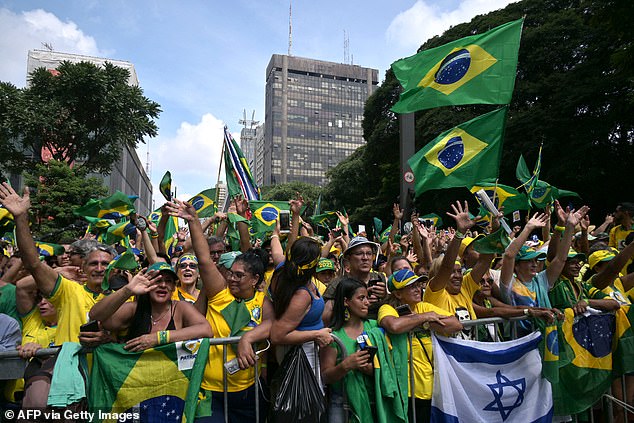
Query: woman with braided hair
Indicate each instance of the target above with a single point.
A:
(297, 304)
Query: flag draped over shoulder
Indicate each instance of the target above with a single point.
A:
(166, 186)
(238, 175)
(489, 381)
(479, 69)
(205, 203)
(163, 382)
(116, 206)
(461, 156)
(503, 196)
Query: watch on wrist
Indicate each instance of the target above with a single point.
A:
(426, 325)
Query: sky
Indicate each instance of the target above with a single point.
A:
(205, 61)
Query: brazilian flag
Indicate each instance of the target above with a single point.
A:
(326, 219)
(494, 243)
(461, 156)
(503, 196)
(116, 206)
(166, 186)
(161, 383)
(264, 214)
(433, 218)
(479, 69)
(46, 249)
(205, 203)
(543, 194)
(578, 360)
(124, 261)
(119, 231)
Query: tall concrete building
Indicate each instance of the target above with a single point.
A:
(127, 174)
(313, 116)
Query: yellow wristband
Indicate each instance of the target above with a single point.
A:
(561, 229)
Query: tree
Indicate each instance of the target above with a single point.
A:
(573, 92)
(57, 191)
(288, 191)
(81, 114)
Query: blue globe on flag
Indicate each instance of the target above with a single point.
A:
(453, 67)
(452, 153)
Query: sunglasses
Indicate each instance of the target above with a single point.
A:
(188, 265)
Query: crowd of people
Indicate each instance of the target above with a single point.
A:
(357, 307)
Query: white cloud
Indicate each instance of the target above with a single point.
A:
(192, 156)
(410, 29)
(28, 30)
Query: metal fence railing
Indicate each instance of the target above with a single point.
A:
(12, 367)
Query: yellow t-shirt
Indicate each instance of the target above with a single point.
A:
(212, 380)
(73, 303)
(421, 344)
(34, 329)
(461, 301)
(617, 237)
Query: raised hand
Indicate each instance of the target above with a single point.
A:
(461, 216)
(242, 205)
(181, 209)
(562, 215)
(538, 220)
(343, 218)
(398, 213)
(575, 217)
(10, 199)
(296, 204)
(143, 282)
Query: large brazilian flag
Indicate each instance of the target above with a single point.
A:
(578, 360)
(479, 69)
(161, 383)
(462, 156)
(116, 206)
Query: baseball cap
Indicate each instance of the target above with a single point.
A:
(598, 256)
(466, 241)
(226, 259)
(401, 278)
(325, 264)
(528, 253)
(358, 241)
(572, 254)
(161, 266)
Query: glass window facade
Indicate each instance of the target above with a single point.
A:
(313, 116)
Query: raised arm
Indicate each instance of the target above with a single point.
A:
(296, 209)
(557, 264)
(606, 276)
(45, 277)
(110, 311)
(242, 207)
(508, 259)
(213, 282)
(463, 223)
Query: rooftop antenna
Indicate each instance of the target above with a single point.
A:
(47, 46)
(346, 47)
(290, 26)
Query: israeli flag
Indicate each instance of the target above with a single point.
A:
(490, 381)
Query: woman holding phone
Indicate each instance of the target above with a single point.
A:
(350, 324)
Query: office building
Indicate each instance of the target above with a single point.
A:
(127, 174)
(314, 111)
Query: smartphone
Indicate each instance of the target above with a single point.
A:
(337, 232)
(285, 221)
(403, 310)
(372, 350)
(374, 281)
(90, 327)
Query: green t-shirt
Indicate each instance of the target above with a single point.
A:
(7, 301)
(566, 293)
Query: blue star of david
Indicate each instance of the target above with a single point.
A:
(498, 392)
